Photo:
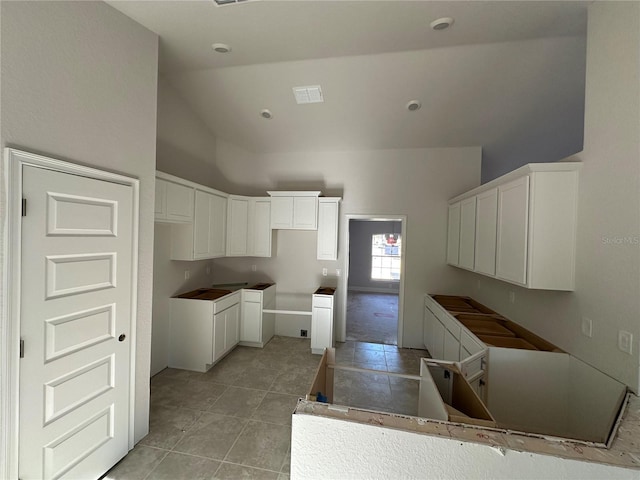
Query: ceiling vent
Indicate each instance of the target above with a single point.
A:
(310, 94)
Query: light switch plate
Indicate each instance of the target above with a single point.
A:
(587, 327)
(625, 341)
(324, 272)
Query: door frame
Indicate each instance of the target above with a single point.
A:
(14, 162)
(403, 231)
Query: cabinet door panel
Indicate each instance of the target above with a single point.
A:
(451, 347)
(237, 226)
(261, 233)
(218, 335)
(486, 219)
(201, 225)
(281, 212)
(305, 213)
(232, 326)
(321, 331)
(218, 226)
(251, 313)
(513, 209)
(179, 202)
(327, 230)
(467, 233)
(453, 235)
(437, 343)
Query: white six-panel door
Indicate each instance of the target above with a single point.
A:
(76, 304)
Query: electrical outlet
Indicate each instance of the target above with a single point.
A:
(324, 272)
(254, 268)
(587, 327)
(512, 296)
(303, 333)
(187, 274)
(625, 341)
(338, 272)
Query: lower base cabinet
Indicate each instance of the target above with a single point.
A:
(322, 321)
(257, 327)
(203, 331)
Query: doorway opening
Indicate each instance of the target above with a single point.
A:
(374, 279)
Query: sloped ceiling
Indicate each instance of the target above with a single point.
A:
(508, 76)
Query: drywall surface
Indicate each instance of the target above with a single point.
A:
(608, 234)
(328, 448)
(412, 182)
(79, 84)
(360, 232)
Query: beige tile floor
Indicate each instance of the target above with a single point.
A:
(235, 420)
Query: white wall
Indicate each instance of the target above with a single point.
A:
(360, 232)
(328, 448)
(608, 240)
(79, 84)
(412, 182)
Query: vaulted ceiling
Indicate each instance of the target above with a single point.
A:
(504, 75)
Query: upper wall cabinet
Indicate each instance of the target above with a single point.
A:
(174, 201)
(328, 215)
(519, 228)
(294, 210)
(249, 226)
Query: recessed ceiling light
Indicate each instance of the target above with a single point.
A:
(414, 105)
(266, 114)
(221, 47)
(441, 23)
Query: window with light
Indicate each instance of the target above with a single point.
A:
(386, 249)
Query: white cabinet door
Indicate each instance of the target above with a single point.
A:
(427, 328)
(467, 233)
(218, 226)
(237, 226)
(512, 231)
(437, 342)
(281, 212)
(451, 350)
(305, 213)
(453, 235)
(486, 218)
(321, 329)
(260, 227)
(201, 225)
(179, 202)
(232, 327)
(251, 330)
(219, 335)
(328, 228)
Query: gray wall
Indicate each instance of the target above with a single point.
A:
(79, 84)
(608, 237)
(360, 232)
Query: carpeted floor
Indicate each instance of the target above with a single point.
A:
(372, 317)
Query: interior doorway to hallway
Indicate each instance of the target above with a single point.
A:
(374, 279)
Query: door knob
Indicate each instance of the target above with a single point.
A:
(122, 337)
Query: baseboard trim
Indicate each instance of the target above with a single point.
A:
(372, 290)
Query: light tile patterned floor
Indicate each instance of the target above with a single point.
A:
(235, 420)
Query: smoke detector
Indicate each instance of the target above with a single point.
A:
(414, 105)
(309, 94)
(221, 47)
(220, 3)
(441, 23)
(266, 114)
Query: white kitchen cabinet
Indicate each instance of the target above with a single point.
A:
(294, 210)
(248, 226)
(174, 201)
(511, 246)
(321, 322)
(451, 348)
(467, 233)
(206, 236)
(453, 235)
(202, 331)
(256, 326)
(328, 216)
(237, 226)
(486, 221)
(535, 232)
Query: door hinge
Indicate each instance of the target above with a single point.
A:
(21, 348)
(24, 207)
